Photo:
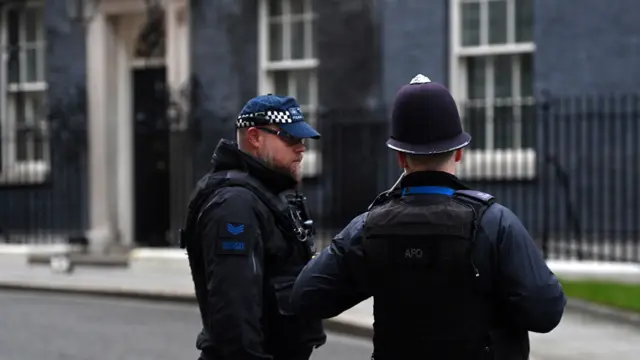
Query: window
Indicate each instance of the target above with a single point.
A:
(288, 61)
(24, 147)
(492, 80)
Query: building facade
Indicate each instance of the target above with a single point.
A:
(42, 70)
(110, 161)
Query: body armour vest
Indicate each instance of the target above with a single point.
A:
(427, 303)
(289, 217)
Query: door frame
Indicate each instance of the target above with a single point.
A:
(110, 38)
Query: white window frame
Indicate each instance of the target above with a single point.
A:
(312, 163)
(494, 164)
(13, 171)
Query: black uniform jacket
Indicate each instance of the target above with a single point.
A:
(528, 293)
(250, 270)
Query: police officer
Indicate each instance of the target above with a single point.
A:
(453, 274)
(246, 241)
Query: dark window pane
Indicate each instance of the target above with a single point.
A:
(497, 22)
(281, 82)
(470, 26)
(529, 126)
(526, 74)
(503, 130)
(476, 77)
(275, 7)
(275, 41)
(475, 124)
(503, 76)
(297, 40)
(524, 20)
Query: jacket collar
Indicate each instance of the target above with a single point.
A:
(432, 178)
(227, 156)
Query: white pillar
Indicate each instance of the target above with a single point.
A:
(124, 136)
(98, 39)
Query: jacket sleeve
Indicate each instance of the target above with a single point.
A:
(333, 281)
(232, 250)
(529, 293)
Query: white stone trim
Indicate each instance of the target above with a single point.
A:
(110, 39)
(489, 164)
(25, 173)
(12, 170)
(498, 165)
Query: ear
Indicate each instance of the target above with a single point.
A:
(458, 155)
(402, 159)
(254, 137)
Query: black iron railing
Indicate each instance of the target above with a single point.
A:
(579, 201)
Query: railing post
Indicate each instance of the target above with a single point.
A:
(544, 118)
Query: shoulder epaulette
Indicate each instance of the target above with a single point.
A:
(476, 195)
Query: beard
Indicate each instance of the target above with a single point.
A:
(294, 169)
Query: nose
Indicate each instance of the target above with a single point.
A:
(300, 148)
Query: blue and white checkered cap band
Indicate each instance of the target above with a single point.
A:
(264, 118)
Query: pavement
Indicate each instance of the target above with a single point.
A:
(582, 335)
(585, 331)
(80, 328)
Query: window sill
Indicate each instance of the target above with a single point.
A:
(25, 173)
(498, 165)
(311, 164)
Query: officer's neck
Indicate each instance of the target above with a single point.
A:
(445, 169)
(431, 178)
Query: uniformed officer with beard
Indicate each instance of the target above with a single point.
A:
(453, 274)
(246, 240)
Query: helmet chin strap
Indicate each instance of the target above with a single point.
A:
(404, 172)
(382, 197)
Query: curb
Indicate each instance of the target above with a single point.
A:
(101, 292)
(604, 312)
(157, 254)
(334, 324)
(83, 260)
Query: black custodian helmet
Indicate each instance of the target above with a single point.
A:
(425, 119)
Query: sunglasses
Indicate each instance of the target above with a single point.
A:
(284, 136)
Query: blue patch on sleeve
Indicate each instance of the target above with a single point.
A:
(232, 246)
(235, 238)
(235, 229)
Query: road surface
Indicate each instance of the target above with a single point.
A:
(58, 327)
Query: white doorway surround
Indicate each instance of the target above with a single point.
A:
(111, 39)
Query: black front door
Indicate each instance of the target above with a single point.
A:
(151, 161)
